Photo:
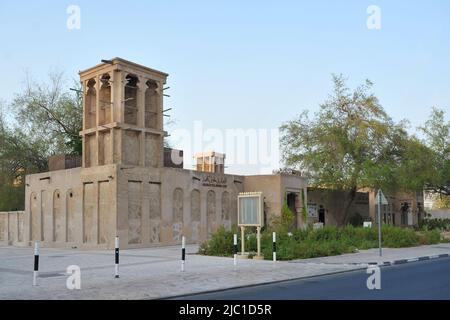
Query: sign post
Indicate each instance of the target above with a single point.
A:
(381, 200)
(251, 214)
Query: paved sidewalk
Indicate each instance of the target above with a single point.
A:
(155, 273)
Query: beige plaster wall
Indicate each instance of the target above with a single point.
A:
(158, 206)
(207, 204)
(274, 187)
(71, 208)
(270, 185)
(154, 206)
(11, 228)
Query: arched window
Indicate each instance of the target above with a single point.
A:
(131, 107)
(195, 206)
(58, 219)
(35, 221)
(151, 105)
(226, 206)
(211, 211)
(90, 112)
(177, 206)
(105, 100)
(70, 216)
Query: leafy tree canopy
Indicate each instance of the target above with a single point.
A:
(46, 120)
(351, 143)
(437, 138)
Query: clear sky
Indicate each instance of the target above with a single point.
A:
(241, 64)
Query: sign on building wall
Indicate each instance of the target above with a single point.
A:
(214, 181)
(250, 209)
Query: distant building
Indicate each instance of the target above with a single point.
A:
(328, 206)
(210, 162)
(404, 208)
(437, 205)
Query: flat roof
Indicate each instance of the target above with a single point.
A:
(118, 60)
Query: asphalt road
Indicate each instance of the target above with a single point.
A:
(416, 280)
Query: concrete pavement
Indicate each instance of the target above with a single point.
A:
(155, 273)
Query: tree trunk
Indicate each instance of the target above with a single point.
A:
(351, 195)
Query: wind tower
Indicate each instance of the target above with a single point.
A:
(122, 115)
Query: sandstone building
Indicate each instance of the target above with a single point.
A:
(130, 185)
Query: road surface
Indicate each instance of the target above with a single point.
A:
(416, 280)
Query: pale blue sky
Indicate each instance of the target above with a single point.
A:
(255, 63)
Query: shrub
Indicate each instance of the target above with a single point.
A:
(433, 224)
(220, 244)
(395, 237)
(327, 241)
(356, 220)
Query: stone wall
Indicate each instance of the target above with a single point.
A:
(439, 213)
(12, 228)
(88, 207)
(71, 208)
(196, 203)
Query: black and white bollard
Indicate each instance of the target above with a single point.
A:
(274, 246)
(116, 254)
(36, 263)
(235, 249)
(183, 252)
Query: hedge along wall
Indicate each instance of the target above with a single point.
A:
(11, 227)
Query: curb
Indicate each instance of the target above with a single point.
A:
(403, 261)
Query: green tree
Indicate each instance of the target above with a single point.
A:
(47, 120)
(416, 166)
(49, 110)
(350, 143)
(437, 138)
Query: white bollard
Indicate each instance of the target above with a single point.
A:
(274, 246)
(235, 249)
(36, 263)
(116, 256)
(183, 252)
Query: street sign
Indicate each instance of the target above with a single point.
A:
(381, 199)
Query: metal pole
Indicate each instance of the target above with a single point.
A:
(242, 240)
(235, 249)
(274, 246)
(116, 256)
(379, 222)
(36, 263)
(183, 252)
(258, 240)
